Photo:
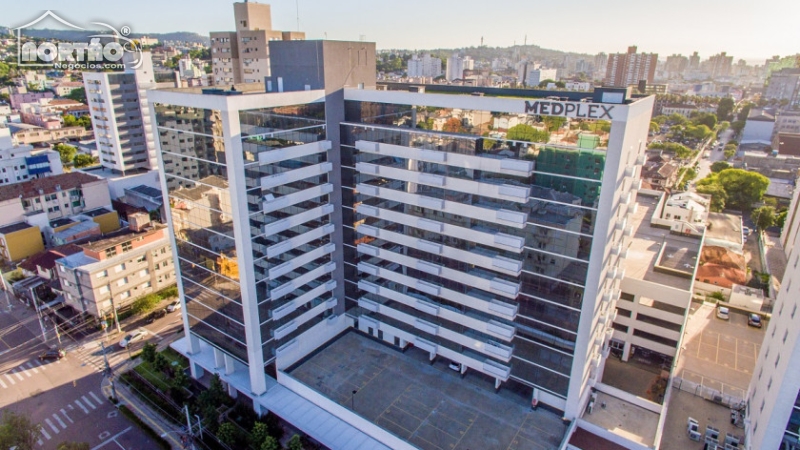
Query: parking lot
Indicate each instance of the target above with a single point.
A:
(724, 352)
(430, 406)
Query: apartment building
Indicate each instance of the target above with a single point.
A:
(21, 162)
(625, 69)
(120, 118)
(52, 197)
(773, 397)
(242, 56)
(424, 66)
(114, 271)
(323, 208)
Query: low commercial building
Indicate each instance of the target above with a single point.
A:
(113, 272)
(21, 162)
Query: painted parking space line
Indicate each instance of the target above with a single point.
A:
(78, 402)
(64, 413)
(91, 394)
(88, 402)
(50, 424)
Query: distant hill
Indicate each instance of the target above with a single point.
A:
(77, 35)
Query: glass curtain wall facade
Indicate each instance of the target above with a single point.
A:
(284, 168)
(467, 246)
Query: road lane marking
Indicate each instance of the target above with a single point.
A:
(64, 413)
(60, 422)
(50, 424)
(112, 438)
(78, 402)
(88, 402)
(95, 398)
(10, 380)
(16, 374)
(45, 434)
(3, 384)
(35, 370)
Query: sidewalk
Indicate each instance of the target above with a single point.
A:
(161, 426)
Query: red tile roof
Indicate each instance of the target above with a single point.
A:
(31, 188)
(47, 259)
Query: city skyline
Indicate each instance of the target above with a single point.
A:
(617, 25)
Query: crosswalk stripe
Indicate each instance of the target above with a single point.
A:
(95, 398)
(23, 370)
(35, 370)
(60, 422)
(10, 380)
(64, 413)
(16, 374)
(40, 442)
(45, 434)
(78, 402)
(50, 424)
(3, 384)
(88, 402)
(39, 363)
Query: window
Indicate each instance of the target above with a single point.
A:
(104, 290)
(102, 274)
(125, 295)
(777, 359)
(144, 272)
(119, 268)
(111, 252)
(127, 246)
(785, 335)
(794, 310)
(122, 281)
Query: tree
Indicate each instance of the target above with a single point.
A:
(227, 433)
(553, 123)
(780, 219)
(717, 193)
(744, 112)
(453, 125)
(216, 391)
(83, 160)
(295, 443)
(654, 127)
(725, 108)
(180, 380)
(719, 166)
(73, 446)
(259, 434)
(707, 119)
(724, 125)
(18, 430)
(743, 188)
(730, 150)
(145, 304)
(67, 152)
(79, 95)
(737, 126)
(660, 119)
(149, 352)
(763, 217)
(270, 443)
(527, 133)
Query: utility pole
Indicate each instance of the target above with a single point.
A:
(189, 423)
(109, 373)
(38, 314)
(114, 311)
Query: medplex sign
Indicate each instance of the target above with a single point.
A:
(577, 110)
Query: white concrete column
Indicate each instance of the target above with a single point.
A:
(626, 351)
(497, 383)
(219, 358)
(194, 344)
(260, 410)
(196, 370)
(232, 391)
(230, 364)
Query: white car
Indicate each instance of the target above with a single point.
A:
(137, 335)
(174, 306)
(723, 313)
(454, 366)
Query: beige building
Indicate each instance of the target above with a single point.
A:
(116, 270)
(242, 56)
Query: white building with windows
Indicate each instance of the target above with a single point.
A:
(424, 66)
(22, 163)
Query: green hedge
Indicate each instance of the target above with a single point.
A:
(163, 443)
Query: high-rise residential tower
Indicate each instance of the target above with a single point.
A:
(242, 56)
(328, 206)
(625, 69)
(120, 116)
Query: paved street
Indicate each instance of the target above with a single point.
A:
(65, 396)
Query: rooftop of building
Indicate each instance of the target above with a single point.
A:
(724, 227)
(47, 259)
(427, 405)
(760, 115)
(44, 186)
(657, 255)
(120, 236)
(104, 172)
(60, 222)
(14, 227)
(146, 191)
(624, 418)
(97, 212)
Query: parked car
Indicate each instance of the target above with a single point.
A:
(137, 335)
(455, 366)
(54, 355)
(174, 306)
(155, 315)
(723, 313)
(754, 320)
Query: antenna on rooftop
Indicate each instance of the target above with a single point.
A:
(297, 6)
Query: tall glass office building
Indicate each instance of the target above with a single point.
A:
(412, 217)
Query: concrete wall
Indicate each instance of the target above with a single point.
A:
(24, 243)
(108, 222)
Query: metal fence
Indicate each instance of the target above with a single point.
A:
(712, 395)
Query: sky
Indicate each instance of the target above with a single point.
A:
(746, 29)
